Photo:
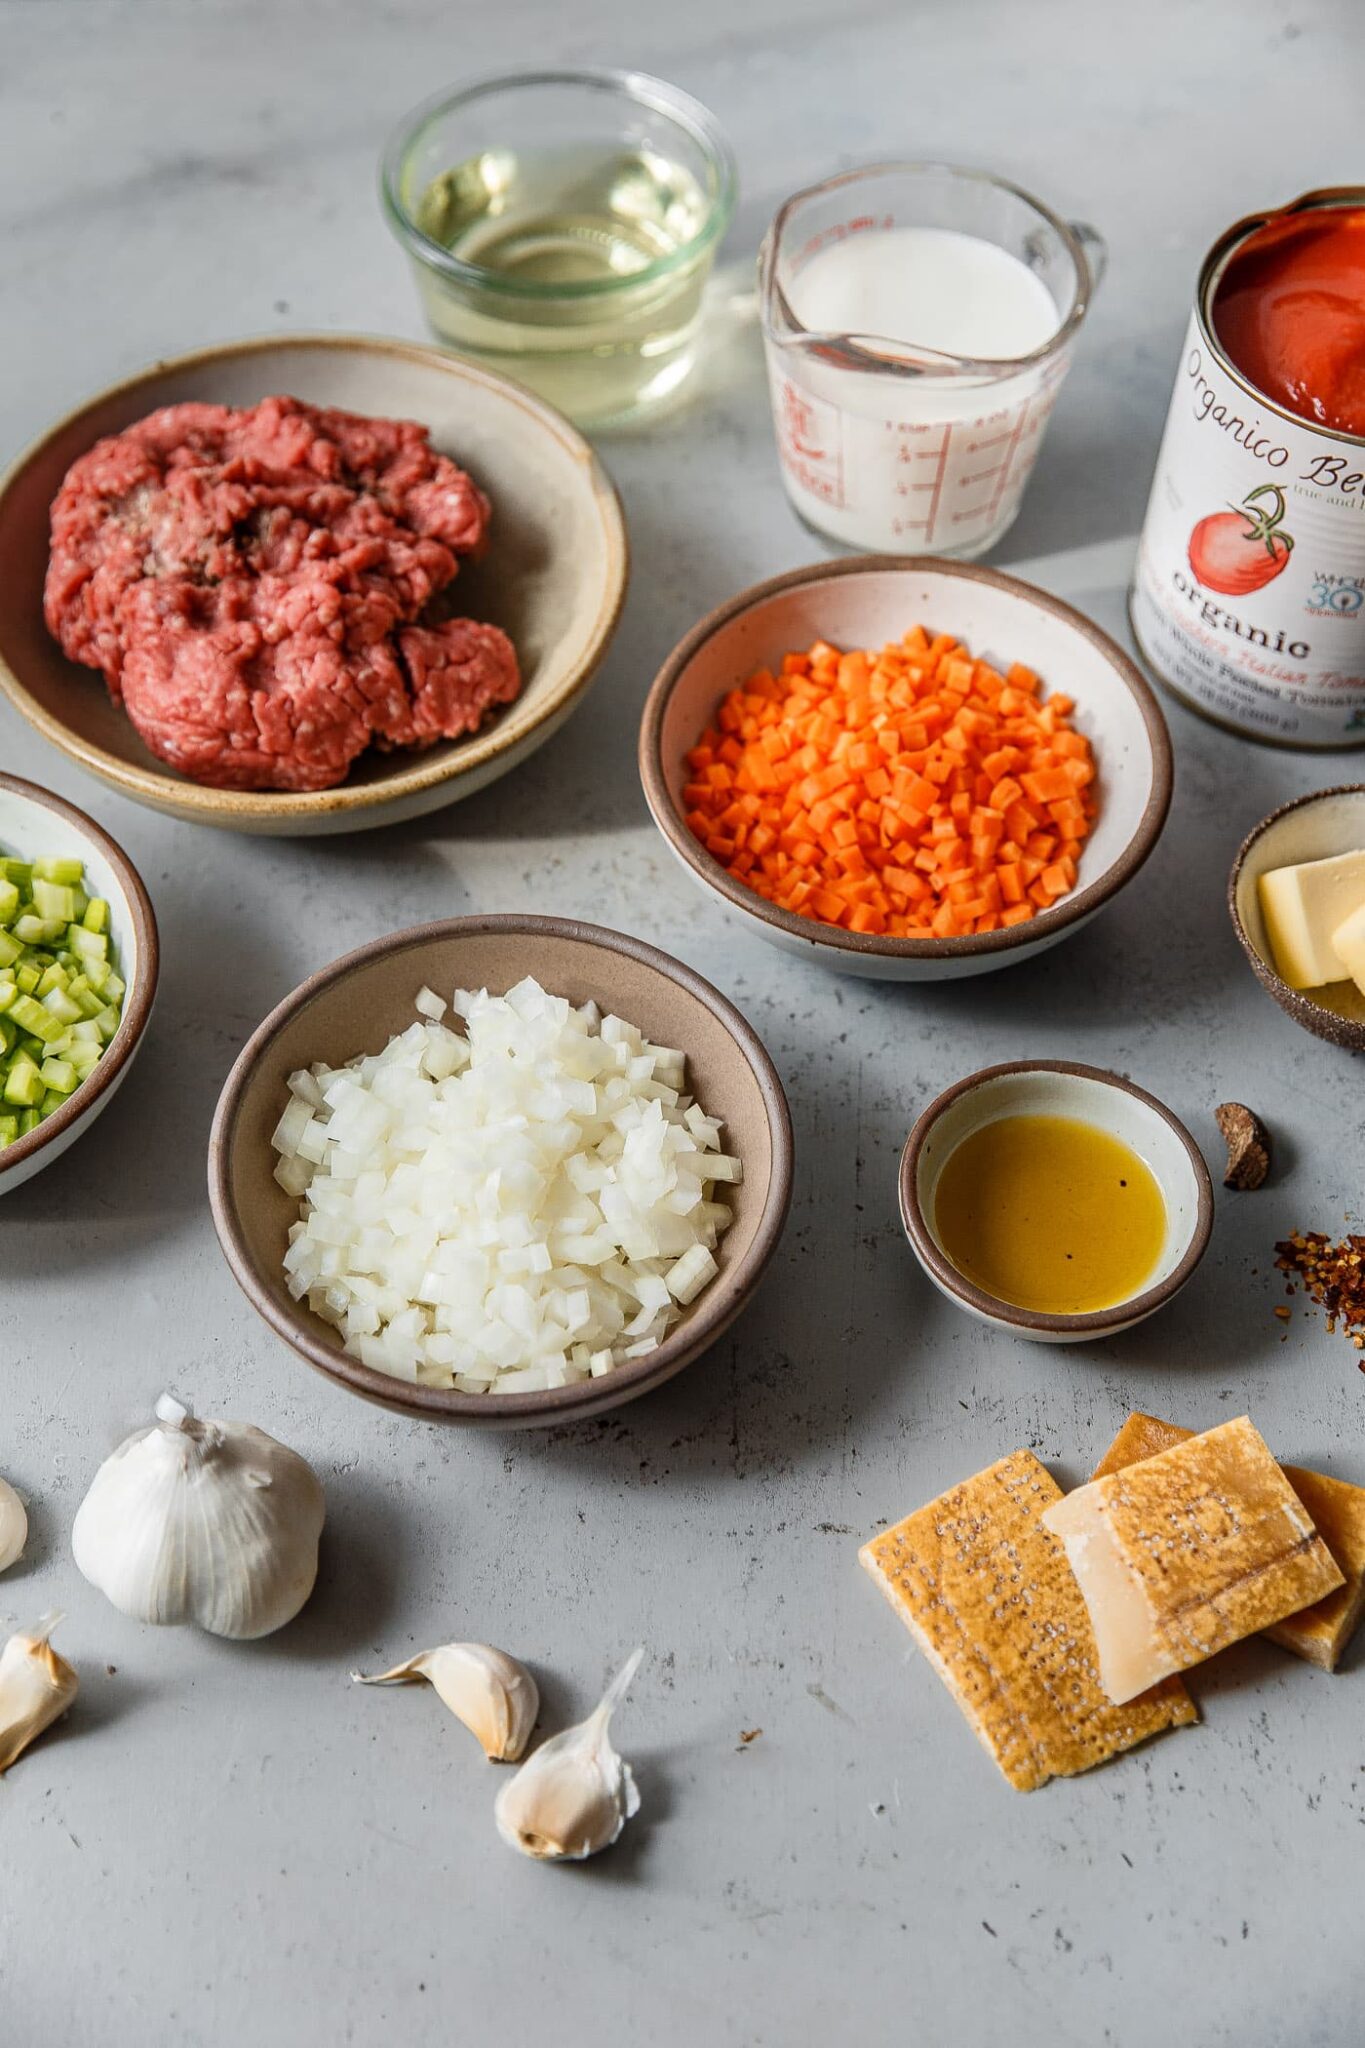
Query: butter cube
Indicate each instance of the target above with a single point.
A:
(1303, 907)
(1349, 941)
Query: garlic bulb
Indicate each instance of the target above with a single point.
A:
(494, 1695)
(574, 1796)
(202, 1521)
(13, 1526)
(36, 1688)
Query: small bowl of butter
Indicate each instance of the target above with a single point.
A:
(1297, 899)
(1058, 1202)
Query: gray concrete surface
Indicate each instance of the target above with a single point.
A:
(228, 1845)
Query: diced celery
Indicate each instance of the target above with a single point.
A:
(37, 931)
(88, 945)
(60, 998)
(54, 900)
(59, 1004)
(23, 1082)
(30, 1016)
(58, 869)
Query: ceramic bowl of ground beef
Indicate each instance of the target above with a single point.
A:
(306, 586)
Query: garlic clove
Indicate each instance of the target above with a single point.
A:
(205, 1521)
(496, 1697)
(36, 1688)
(13, 1526)
(574, 1796)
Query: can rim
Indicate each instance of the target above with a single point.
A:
(1210, 275)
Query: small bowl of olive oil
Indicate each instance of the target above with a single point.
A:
(561, 226)
(1056, 1201)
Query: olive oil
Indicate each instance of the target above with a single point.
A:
(588, 263)
(1050, 1213)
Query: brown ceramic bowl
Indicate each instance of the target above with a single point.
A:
(1090, 1095)
(865, 601)
(1310, 828)
(359, 1002)
(553, 577)
(33, 822)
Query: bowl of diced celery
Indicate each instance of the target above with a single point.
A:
(78, 969)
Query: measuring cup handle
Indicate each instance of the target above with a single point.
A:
(1096, 250)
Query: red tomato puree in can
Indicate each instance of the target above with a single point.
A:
(1290, 312)
(1248, 598)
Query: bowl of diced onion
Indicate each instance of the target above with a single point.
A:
(502, 1170)
(78, 974)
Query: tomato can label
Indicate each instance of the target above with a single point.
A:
(1249, 593)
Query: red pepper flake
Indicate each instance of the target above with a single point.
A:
(1333, 1275)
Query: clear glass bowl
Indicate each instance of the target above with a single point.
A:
(561, 226)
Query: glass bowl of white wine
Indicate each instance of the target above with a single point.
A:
(561, 227)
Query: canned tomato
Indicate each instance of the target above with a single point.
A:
(1248, 598)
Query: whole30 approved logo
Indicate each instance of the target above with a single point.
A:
(1341, 597)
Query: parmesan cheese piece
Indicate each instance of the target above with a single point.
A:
(1318, 1633)
(987, 1594)
(1302, 907)
(1184, 1553)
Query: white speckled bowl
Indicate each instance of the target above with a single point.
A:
(865, 601)
(1058, 1088)
(32, 823)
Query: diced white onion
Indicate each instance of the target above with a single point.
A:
(518, 1205)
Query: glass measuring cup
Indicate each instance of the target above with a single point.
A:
(895, 447)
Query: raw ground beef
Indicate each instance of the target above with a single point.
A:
(253, 585)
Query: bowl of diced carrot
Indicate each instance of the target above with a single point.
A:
(906, 768)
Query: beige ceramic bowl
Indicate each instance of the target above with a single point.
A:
(864, 601)
(1059, 1088)
(33, 823)
(359, 1002)
(1311, 828)
(554, 576)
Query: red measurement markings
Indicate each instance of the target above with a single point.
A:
(1003, 477)
(939, 474)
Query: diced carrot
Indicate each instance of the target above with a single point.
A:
(911, 790)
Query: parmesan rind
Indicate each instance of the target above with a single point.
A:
(1319, 1634)
(986, 1592)
(1187, 1552)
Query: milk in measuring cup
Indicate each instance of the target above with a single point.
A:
(919, 463)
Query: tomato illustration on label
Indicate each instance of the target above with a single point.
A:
(1244, 548)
